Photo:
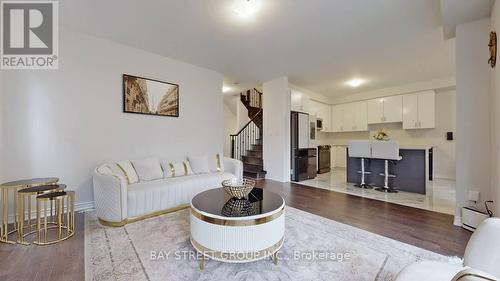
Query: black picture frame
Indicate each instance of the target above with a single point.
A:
(139, 106)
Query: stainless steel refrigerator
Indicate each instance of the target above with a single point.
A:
(303, 160)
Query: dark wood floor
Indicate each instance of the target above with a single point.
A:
(425, 229)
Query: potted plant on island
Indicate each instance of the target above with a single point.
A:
(381, 135)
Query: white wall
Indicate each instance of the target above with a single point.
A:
(230, 121)
(241, 114)
(473, 114)
(310, 94)
(495, 116)
(276, 148)
(66, 122)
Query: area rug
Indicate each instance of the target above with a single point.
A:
(315, 248)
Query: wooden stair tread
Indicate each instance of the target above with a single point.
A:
(253, 164)
(255, 175)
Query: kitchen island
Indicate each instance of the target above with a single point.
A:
(413, 171)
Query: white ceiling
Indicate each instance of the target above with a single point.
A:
(318, 44)
(455, 12)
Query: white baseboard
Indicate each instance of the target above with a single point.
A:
(457, 221)
(84, 206)
(444, 176)
(79, 207)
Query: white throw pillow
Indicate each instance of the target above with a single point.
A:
(148, 169)
(215, 163)
(128, 171)
(199, 164)
(177, 169)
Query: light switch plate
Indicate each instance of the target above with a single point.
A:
(473, 195)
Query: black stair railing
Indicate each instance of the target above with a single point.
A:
(249, 135)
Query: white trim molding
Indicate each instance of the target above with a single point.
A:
(457, 221)
(84, 206)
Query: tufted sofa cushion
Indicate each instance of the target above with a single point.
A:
(152, 196)
(117, 201)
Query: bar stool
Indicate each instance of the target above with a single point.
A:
(64, 218)
(361, 149)
(388, 151)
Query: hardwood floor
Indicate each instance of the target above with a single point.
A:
(425, 229)
(57, 262)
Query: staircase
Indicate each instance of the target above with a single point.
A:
(246, 145)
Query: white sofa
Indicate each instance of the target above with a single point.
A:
(481, 260)
(118, 203)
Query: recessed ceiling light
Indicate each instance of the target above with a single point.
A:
(355, 82)
(246, 8)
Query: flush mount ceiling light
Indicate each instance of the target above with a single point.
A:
(246, 8)
(355, 82)
(226, 89)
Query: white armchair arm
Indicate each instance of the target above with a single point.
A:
(233, 166)
(470, 274)
(110, 195)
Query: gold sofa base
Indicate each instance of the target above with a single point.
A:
(143, 217)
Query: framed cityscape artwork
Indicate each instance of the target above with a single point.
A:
(149, 96)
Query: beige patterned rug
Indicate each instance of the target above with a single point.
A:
(315, 248)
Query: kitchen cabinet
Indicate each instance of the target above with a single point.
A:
(360, 116)
(339, 156)
(299, 101)
(419, 110)
(313, 108)
(349, 117)
(321, 111)
(348, 123)
(326, 116)
(385, 110)
(337, 118)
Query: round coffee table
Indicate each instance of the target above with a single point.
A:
(237, 230)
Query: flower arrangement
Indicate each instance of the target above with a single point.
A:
(381, 135)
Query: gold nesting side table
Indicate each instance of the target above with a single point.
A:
(26, 198)
(63, 219)
(11, 189)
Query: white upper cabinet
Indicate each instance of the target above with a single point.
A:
(314, 108)
(385, 110)
(375, 111)
(427, 110)
(323, 112)
(410, 111)
(326, 114)
(361, 123)
(419, 110)
(349, 117)
(337, 118)
(393, 109)
(299, 101)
